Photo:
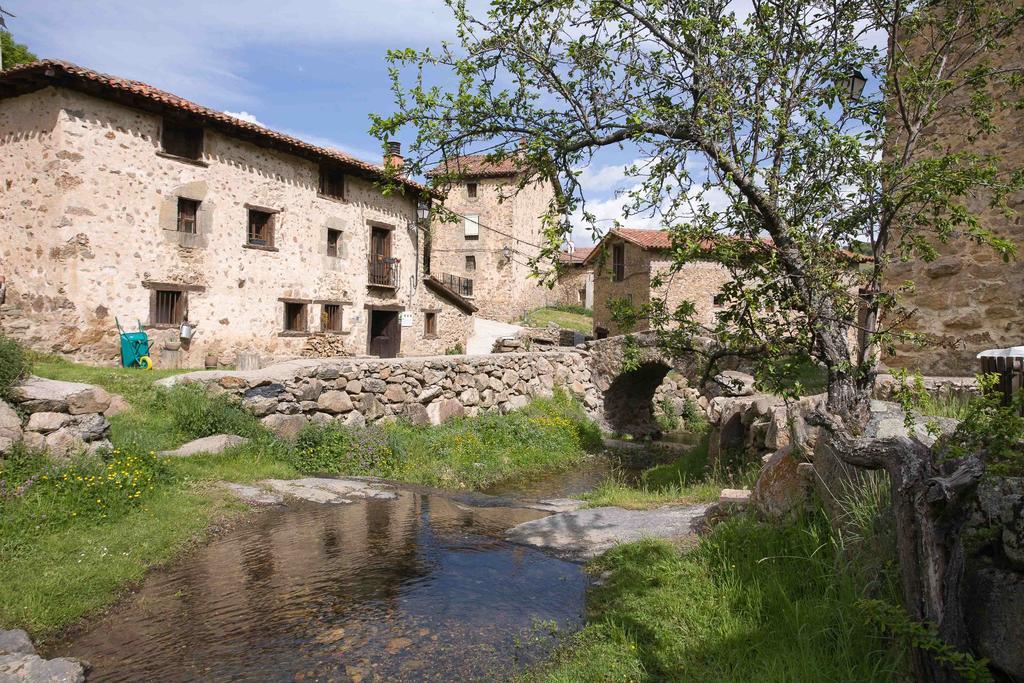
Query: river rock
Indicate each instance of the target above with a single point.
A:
(22, 668)
(584, 534)
(334, 491)
(15, 642)
(218, 443)
(254, 495)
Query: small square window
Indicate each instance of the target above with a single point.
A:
(471, 226)
(333, 243)
(261, 228)
(294, 317)
(188, 210)
(332, 182)
(330, 319)
(430, 324)
(181, 140)
(471, 263)
(471, 190)
(167, 307)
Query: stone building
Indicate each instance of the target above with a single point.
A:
(626, 263)
(121, 200)
(575, 283)
(485, 253)
(968, 299)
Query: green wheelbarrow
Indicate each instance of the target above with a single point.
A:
(135, 347)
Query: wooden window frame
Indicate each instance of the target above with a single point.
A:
(429, 324)
(176, 310)
(470, 258)
(174, 140)
(618, 262)
(465, 225)
(332, 182)
(184, 219)
(295, 325)
(334, 249)
(332, 324)
(270, 227)
(472, 190)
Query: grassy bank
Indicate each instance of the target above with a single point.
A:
(569, 317)
(73, 535)
(751, 602)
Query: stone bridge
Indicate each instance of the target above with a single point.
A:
(429, 390)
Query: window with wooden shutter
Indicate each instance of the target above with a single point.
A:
(261, 228)
(188, 211)
(471, 189)
(470, 262)
(330, 318)
(332, 182)
(181, 140)
(167, 307)
(333, 242)
(618, 262)
(295, 317)
(429, 324)
(472, 226)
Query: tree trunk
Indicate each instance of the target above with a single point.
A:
(930, 512)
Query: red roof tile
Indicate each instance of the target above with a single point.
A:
(577, 256)
(24, 78)
(476, 166)
(648, 239)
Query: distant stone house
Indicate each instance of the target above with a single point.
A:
(122, 200)
(626, 263)
(485, 253)
(575, 283)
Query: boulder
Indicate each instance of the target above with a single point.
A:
(782, 490)
(28, 668)
(308, 390)
(355, 419)
(518, 402)
(416, 413)
(444, 410)
(285, 426)
(217, 443)
(273, 390)
(15, 642)
(37, 394)
(732, 383)
(354, 387)
(117, 406)
(470, 397)
(260, 405)
(395, 394)
(47, 422)
(10, 427)
(375, 386)
(733, 499)
(335, 402)
(64, 442)
(429, 394)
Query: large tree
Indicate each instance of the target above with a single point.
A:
(12, 52)
(753, 145)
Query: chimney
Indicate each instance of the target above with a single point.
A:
(393, 155)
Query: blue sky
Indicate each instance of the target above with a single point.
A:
(311, 68)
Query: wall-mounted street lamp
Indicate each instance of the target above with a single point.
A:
(855, 83)
(422, 212)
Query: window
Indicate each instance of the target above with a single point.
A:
(332, 182)
(429, 324)
(182, 140)
(330, 319)
(471, 190)
(333, 242)
(167, 307)
(188, 209)
(261, 228)
(472, 226)
(618, 262)
(294, 317)
(383, 269)
(471, 263)
(581, 296)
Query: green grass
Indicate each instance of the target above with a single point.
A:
(568, 317)
(752, 602)
(688, 480)
(956, 406)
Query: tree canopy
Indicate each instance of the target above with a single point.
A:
(750, 140)
(14, 53)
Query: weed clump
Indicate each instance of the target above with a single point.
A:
(14, 365)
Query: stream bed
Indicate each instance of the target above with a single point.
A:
(418, 588)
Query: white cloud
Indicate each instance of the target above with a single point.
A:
(245, 116)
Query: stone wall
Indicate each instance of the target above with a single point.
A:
(575, 280)
(61, 417)
(88, 232)
(502, 289)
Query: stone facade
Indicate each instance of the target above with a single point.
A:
(503, 288)
(968, 299)
(90, 231)
(697, 281)
(575, 283)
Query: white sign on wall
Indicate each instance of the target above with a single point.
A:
(405, 318)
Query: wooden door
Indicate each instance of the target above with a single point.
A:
(385, 334)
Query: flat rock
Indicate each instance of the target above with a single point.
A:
(217, 443)
(15, 642)
(46, 422)
(40, 394)
(334, 491)
(285, 426)
(254, 495)
(25, 668)
(584, 534)
(556, 505)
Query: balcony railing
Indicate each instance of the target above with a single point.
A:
(383, 271)
(460, 285)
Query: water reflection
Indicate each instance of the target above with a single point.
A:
(418, 588)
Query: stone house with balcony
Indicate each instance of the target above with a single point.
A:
(485, 253)
(121, 200)
(626, 263)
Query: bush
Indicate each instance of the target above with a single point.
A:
(337, 449)
(14, 365)
(196, 413)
